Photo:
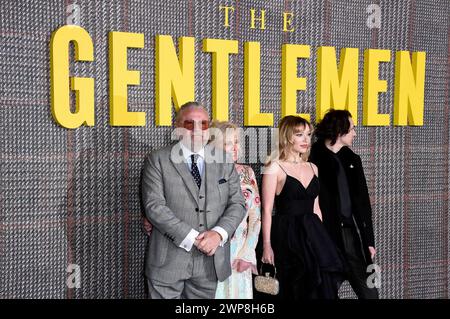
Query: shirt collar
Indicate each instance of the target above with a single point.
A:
(187, 152)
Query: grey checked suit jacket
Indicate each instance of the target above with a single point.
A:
(174, 205)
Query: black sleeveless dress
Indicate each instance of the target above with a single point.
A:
(309, 266)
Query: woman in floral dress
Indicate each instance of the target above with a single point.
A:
(243, 243)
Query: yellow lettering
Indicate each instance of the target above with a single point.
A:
(409, 88)
(338, 90)
(290, 83)
(220, 49)
(227, 12)
(252, 87)
(253, 19)
(287, 21)
(174, 77)
(372, 86)
(121, 77)
(59, 78)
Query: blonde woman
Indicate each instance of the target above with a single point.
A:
(243, 242)
(294, 240)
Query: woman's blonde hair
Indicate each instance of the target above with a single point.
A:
(223, 126)
(288, 126)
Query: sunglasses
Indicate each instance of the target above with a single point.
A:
(190, 125)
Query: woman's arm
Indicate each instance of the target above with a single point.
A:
(269, 186)
(317, 209)
(254, 220)
(246, 256)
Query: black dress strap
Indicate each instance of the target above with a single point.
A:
(282, 168)
(314, 173)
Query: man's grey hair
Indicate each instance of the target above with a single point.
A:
(188, 106)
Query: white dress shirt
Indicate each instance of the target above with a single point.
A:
(188, 242)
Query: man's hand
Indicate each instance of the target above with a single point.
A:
(147, 226)
(208, 241)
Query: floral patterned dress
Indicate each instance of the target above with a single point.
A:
(243, 243)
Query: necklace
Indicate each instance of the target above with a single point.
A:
(294, 161)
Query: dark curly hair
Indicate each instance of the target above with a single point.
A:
(333, 124)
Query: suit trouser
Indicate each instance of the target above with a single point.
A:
(357, 275)
(197, 281)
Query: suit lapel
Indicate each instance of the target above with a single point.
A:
(211, 173)
(182, 168)
(210, 176)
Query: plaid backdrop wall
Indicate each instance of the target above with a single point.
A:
(70, 198)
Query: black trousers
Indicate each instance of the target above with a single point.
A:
(357, 275)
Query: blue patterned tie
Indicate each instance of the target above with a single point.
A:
(194, 170)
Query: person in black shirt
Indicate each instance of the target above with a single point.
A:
(344, 198)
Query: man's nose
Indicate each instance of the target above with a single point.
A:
(198, 126)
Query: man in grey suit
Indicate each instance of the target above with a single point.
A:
(193, 199)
